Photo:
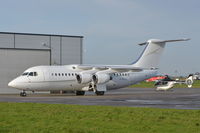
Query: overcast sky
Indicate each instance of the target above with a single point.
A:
(113, 28)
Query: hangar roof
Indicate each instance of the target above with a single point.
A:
(40, 34)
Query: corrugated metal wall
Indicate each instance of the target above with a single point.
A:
(15, 61)
(55, 50)
(6, 40)
(71, 50)
(31, 41)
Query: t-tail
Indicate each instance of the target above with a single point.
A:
(150, 57)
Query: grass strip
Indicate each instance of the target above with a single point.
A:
(51, 118)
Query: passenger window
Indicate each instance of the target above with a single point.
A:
(52, 74)
(65, 74)
(58, 74)
(69, 74)
(55, 74)
(62, 74)
(30, 74)
(72, 74)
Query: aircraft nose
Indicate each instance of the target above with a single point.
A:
(17, 83)
(12, 84)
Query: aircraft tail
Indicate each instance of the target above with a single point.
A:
(150, 57)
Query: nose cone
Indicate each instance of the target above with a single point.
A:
(12, 84)
(18, 83)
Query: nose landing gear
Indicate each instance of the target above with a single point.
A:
(23, 93)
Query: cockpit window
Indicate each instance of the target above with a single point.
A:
(30, 74)
(35, 74)
(25, 73)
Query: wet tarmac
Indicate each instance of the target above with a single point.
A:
(180, 98)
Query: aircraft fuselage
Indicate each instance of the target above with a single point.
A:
(45, 78)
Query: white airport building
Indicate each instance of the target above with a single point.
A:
(19, 51)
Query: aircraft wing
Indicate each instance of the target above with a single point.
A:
(117, 68)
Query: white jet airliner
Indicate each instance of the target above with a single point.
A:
(97, 78)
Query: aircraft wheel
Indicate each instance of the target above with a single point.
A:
(99, 93)
(80, 93)
(23, 94)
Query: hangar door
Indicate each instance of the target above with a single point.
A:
(14, 61)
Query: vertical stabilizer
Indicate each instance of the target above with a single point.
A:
(150, 57)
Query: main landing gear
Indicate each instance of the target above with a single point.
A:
(23, 93)
(94, 88)
(80, 93)
(99, 93)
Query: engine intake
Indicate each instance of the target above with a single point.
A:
(83, 78)
(101, 78)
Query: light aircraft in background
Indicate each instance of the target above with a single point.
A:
(97, 78)
(168, 83)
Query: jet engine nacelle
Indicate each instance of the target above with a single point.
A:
(84, 78)
(101, 78)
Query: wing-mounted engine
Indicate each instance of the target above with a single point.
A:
(101, 78)
(85, 76)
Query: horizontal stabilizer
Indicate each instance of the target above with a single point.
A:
(163, 41)
(184, 39)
